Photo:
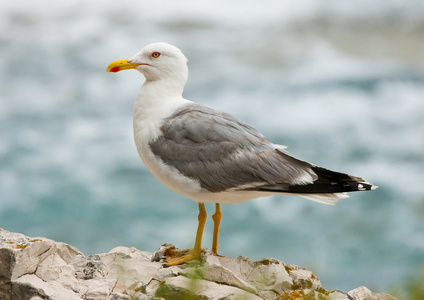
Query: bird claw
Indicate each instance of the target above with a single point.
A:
(173, 258)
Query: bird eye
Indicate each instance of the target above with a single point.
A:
(155, 54)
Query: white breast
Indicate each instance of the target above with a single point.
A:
(147, 120)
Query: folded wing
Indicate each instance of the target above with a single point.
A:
(222, 154)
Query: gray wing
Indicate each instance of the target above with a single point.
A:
(222, 153)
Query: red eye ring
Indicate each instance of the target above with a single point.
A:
(155, 54)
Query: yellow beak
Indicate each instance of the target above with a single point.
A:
(120, 65)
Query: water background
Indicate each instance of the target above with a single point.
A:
(339, 82)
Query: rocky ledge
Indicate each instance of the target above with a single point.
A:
(39, 268)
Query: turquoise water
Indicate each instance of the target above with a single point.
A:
(342, 86)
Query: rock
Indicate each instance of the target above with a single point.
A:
(39, 268)
(364, 293)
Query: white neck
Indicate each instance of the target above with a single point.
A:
(155, 101)
(163, 88)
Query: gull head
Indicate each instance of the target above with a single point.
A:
(157, 61)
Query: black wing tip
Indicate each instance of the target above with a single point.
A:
(333, 182)
(355, 186)
(333, 187)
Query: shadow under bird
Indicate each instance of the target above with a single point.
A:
(210, 156)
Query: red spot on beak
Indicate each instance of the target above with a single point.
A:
(115, 69)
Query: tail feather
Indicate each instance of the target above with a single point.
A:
(328, 198)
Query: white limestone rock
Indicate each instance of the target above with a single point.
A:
(39, 268)
(187, 288)
(364, 293)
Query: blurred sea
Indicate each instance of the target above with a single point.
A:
(339, 82)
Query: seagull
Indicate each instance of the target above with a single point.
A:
(210, 156)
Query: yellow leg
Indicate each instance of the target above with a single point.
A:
(196, 252)
(216, 217)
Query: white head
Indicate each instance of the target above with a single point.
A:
(157, 61)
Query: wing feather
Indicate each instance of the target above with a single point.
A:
(223, 153)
